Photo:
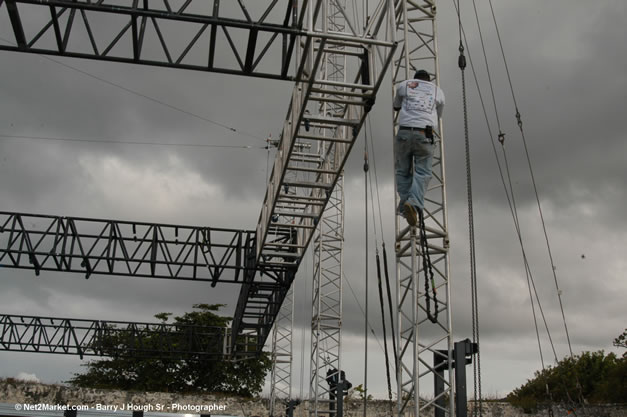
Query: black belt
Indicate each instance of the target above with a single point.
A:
(427, 131)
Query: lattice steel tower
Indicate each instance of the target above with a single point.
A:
(420, 340)
(328, 250)
(282, 357)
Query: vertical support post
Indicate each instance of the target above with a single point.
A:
(462, 349)
(332, 401)
(439, 365)
(339, 392)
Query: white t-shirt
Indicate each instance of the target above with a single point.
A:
(420, 103)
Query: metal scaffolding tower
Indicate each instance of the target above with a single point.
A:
(305, 188)
(293, 205)
(282, 357)
(421, 342)
(244, 38)
(328, 250)
(326, 321)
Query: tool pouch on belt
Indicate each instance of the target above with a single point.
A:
(429, 133)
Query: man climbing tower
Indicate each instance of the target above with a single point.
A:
(420, 104)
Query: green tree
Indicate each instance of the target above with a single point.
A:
(621, 341)
(593, 376)
(193, 373)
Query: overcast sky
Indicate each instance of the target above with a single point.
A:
(568, 63)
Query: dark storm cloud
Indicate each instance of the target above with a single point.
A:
(567, 64)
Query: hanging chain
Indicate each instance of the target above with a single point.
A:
(428, 270)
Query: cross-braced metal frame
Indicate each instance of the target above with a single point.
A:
(326, 321)
(282, 357)
(420, 339)
(110, 338)
(328, 252)
(238, 38)
(243, 37)
(124, 248)
(302, 177)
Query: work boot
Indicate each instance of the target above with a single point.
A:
(410, 214)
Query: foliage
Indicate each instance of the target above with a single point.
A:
(621, 341)
(591, 376)
(361, 392)
(193, 373)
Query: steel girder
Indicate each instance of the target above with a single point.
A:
(241, 37)
(137, 249)
(110, 338)
(124, 248)
(418, 338)
(303, 177)
(291, 208)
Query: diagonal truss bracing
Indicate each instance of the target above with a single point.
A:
(243, 37)
(418, 338)
(326, 321)
(109, 338)
(293, 204)
(123, 248)
(282, 357)
(328, 253)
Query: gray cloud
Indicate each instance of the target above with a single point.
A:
(567, 64)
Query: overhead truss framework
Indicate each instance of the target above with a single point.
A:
(303, 177)
(124, 248)
(247, 37)
(110, 338)
(293, 204)
(421, 340)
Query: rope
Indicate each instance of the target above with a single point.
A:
(485, 57)
(350, 287)
(510, 199)
(376, 178)
(533, 181)
(128, 142)
(366, 280)
(471, 229)
(378, 260)
(389, 292)
(385, 340)
(427, 267)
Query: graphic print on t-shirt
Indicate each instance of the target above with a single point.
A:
(420, 96)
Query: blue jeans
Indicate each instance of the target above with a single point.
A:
(412, 146)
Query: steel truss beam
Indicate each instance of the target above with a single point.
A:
(302, 177)
(112, 247)
(291, 208)
(243, 37)
(137, 249)
(418, 338)
(110, 338)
